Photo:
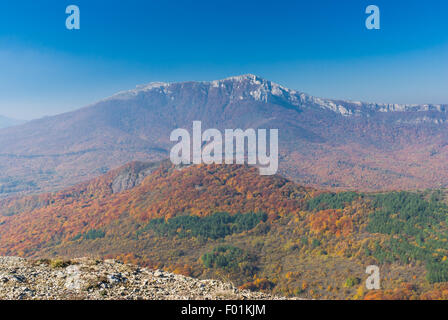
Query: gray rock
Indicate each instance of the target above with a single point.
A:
(93, 280)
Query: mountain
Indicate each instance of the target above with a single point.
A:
(140, 192)
(8, 122)
(228, 222)
(323, 142)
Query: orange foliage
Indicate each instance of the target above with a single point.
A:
(258, 285)
(440, 292)
(407, 291)
(166, 192)
(184, 270)
(331, 221)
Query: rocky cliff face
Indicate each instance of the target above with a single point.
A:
(105, 280)
(252, 87)
(131, 176)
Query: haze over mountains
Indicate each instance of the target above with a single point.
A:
(323, 142)
(9, 122)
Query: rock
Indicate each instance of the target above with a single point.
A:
(93, 280)
(158, 273)
(115, 278)
(73, 279)
(18, 278)
(131, 176)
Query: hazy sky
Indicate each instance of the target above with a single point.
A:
(321, 47)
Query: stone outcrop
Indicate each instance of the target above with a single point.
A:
(22, 279)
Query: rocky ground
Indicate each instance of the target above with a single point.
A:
(109, 279)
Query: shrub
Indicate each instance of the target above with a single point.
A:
(59, 263)
(229, 258)
(94, 234)
(258, 285)
(351, 282)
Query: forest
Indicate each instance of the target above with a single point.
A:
(418, 230)
(260, 232)
(214, 226)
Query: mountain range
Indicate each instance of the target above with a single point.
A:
(80, 184)
(324, 143)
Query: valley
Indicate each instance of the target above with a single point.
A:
(358, 184)
(223, 150)
(262, 233)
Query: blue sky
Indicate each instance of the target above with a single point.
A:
(320, 47)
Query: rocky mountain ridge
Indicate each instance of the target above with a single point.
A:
(264, 90)
(91, 279)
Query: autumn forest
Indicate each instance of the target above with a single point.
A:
(228, 222)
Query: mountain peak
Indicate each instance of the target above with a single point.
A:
(252, 87)
(248, 76)
(254, 79)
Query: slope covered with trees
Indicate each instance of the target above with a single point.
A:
(31, 222)
(228, 222)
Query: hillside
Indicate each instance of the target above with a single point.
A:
(264, 233)
(31, 223)
(324, 143)
(106, 280)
